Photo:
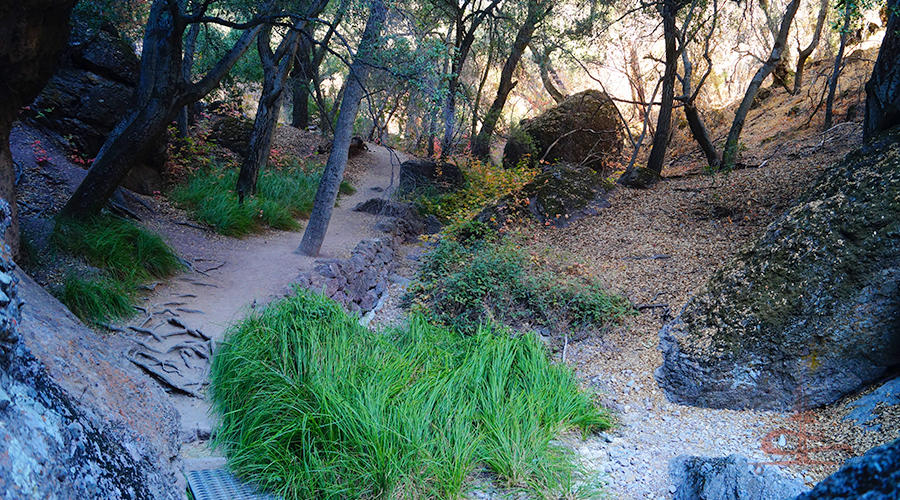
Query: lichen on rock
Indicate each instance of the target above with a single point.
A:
(810, 311)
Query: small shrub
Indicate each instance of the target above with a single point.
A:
(485, 184)
(124, 256)
(314, 406)
(96, 300)
(466, 282)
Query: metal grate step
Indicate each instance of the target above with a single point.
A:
(220, 484)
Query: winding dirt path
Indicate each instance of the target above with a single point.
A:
(232, 276)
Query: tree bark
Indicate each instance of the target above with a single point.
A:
(301, 78)
(542, 58)
(729, 156)
(161, 92)
(326, 195)
(836, 72)
(689, 95)
(482, 146)
(275, 70)
(804, 54)
(883, 88)
(190, 47)
(664, 121)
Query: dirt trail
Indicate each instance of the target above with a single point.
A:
(231, 277)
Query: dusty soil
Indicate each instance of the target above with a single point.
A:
(655, 247)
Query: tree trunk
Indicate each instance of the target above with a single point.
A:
(190, 47)
(275, 72)
(804, 54)
(161, 92)
(301, 78)
(326, 195)
(664, 121)
(698, 129)
(729, 156)
(547, 73)
(482, 146)
(836, 73)
(883, 88)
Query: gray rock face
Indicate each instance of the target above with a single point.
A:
(75, 424)
(809, 312)
(729, 478)
(873, 476)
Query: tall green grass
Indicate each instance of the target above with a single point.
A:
(125, 256)
(312, 405)
(283, 195)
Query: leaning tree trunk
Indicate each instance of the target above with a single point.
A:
(161, 92)
(689, 96)
(482, 146)
(804, 54)
(326, 195)
(542, 58)
(632, 176)
(883, 88)
(190, 46)
(729, 156)
(836, 72)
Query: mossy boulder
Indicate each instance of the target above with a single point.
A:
(809, 312)
(583, 129)
(232, 133)
(561, 194)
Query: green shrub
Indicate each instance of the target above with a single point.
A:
(474, 277)
(485, 184)
(97, 299)
(312, 405)
(124, 254)
(283, 195)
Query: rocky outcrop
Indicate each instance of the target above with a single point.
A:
(232, 133)
(563, 193)
(77, 423)
(85, 99)
(400, 219)
(583, 129)
(810, 311)
(729, 478)
(873, 476)
(427, 175)
(357, 283)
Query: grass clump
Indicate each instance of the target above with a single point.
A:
(284, 194)
(123, 256)
(475, 277)
(314, 406)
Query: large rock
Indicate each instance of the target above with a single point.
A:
(84, 100)
(77, 421)
(583, 129)
(232, 133)
(427, 175)
(563, 193)
(729, 478)
(808, 313)
(873, 476)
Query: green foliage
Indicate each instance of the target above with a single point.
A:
(469, 281)
(485, 184)
(314, 406)
(97, 299)
(124, 254)
(283, 194)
